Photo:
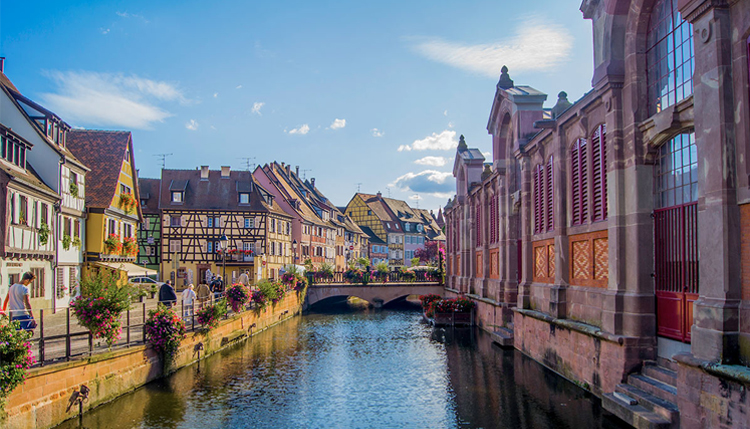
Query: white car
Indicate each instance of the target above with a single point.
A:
(145, 281)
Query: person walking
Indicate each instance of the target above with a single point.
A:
(245, 278)
(188, 301)
(167, 295)
(217, 287)
(18, 304)
(203, 294)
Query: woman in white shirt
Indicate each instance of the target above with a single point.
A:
(188, 300)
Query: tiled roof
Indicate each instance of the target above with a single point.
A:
(7, 83)
(216, 193)
(29, 178)
(374, 239)
(149, 189)
(103, 152)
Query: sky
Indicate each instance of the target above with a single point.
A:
(362, 96)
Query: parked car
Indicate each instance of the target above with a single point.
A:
(145, 281)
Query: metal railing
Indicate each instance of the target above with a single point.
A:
(368, 277)
(59, 336)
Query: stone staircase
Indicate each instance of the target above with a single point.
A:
(503, 336)
(648, 399)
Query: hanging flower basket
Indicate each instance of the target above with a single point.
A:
(130, 246)
(164, 331)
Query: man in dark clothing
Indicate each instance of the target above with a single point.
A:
(217, 287)
(167, 295)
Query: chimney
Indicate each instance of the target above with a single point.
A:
(204, 172)
(380, 195)
(225, 171)
(282, 165)
(312, 182)
(2, 64)
(296, 168)
(288, 170)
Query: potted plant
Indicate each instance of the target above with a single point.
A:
(66, 240)
(15, 356)
(99, 306)
(130, 246)
(76, 242)
(112, 244)
(74, 189)
(210, 315)
(128, 202)
(164, 331)
(43, 233)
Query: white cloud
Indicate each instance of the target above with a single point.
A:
(104, 30)
(415, 197)
(256, 107)
(377, 133)
(445, 112)
(435, 161)
(132, 15)
(304, 129)
(216, 95)
(535, 46)
(487, 155)
(450, 124)
(238, 87)
(110, 100)
(338, 123)
(432, 182)
(192, 125)
(446, 140)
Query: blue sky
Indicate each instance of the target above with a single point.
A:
(368, 94)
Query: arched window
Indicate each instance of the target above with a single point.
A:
(676, 172)
(669, 57)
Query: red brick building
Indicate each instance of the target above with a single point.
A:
(610, 237)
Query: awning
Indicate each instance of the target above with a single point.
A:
(132, 269)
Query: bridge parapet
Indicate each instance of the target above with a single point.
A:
(374, 293)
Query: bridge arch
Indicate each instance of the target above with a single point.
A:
(375, 294)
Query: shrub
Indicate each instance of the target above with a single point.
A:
(129, 246)
(354, 275)
(429, 299)
(407, 275)
(43, 233)
(100, 305)
(164, 330)
(210, 315)
(15, 355)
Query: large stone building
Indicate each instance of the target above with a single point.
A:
(609, 238)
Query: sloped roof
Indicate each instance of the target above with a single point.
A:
(103, 152)
(149, 189)
(29, 178)
(290, 185)
(374, 239)
(216, 193)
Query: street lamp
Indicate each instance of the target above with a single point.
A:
(294, 247)
(223, 241)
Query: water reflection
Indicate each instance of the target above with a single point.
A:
(356, 369)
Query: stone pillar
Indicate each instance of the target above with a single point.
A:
(558, 305)
(715, 331)
(510, 227)
(524, 289)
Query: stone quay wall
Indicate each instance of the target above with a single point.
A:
(42, 400)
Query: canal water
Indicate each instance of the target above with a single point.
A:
(357, 368)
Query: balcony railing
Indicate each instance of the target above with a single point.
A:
(341, 277)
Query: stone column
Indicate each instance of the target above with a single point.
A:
(524, 289)
(715, 331)
(510, 238)
(558, 305)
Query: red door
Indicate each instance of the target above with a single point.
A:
(676, 269)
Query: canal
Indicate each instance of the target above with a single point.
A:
(346, 367)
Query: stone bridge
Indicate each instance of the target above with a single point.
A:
(377, 294)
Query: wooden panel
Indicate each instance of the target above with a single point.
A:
(494, 264)
(480, 265)
(589, 259)
(544, 261)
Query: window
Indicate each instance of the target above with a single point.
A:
(478, 223)
(407, 227)
(273, 248)
(369, 212)
(175, 221)
(175, 246)
(66, 226)
(44, 213)
(676, 172)
(127, 230)
(244, 198)
(273, 225)
(543, 198)
(124, 189)
(210, 247)
(588, 175)
(23, 208)
(288, 228)
(249, 222)
(112, 227)
(37, 286)
(248, 246)
(669, 56)
(177, 196)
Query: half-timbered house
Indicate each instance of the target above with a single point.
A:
(200, 207)
(59, 170)
(149, 232)
(111, 201)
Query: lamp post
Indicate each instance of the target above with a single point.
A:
(223, 240)
(294, 248)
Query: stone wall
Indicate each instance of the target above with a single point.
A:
(41, 401)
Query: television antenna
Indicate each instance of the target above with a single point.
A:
(359, 186)
(163, 158)
(247, 162)
(304, 173)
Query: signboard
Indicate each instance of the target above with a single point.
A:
(351, 247)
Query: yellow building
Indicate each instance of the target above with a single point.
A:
(111, 200)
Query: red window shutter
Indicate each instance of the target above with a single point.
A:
(584, 184)
(538, 199)
(479, 224)
(575, 179)
(599, 173)
(550, 224)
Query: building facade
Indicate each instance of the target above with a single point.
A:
(149, 231)
(591, 216)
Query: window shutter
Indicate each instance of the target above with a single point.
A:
(538, 199)
(599, 174)
(575, 179)
(479, 224)
(584, 184)
(550, 224)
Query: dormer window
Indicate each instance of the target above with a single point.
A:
(12, 149)
(244, 198)
(407, 227)
(396, 226)
(177, 196)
